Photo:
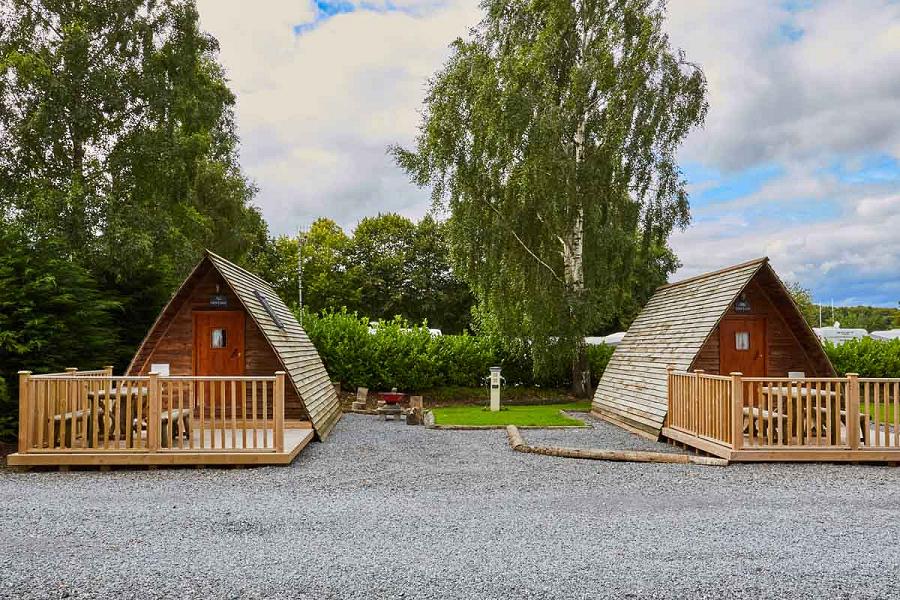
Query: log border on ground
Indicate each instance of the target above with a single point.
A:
(518, 444)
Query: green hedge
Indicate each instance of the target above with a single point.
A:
(410, 358)
(866, 356)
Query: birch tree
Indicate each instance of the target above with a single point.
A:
(549, 136)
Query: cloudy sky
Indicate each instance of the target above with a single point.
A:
(799, 158)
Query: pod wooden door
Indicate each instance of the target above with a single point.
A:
(742, 346)
(219, 342)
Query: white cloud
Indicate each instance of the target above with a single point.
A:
(317, 111)
(833, 89)
(827, 97)
(850, 259)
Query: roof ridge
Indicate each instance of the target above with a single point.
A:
(761, 260)
(240, 268)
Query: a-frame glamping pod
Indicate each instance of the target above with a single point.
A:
(739, 319)
(224, 320)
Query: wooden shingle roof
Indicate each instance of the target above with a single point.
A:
(670, 330)
(288, 340)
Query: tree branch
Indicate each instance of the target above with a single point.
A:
(521, 243)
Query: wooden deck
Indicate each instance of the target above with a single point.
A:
(95, 419)
(295, 440)
(756, 419)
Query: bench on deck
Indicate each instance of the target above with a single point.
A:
(66, 426)
(753, 415)
(174, 425)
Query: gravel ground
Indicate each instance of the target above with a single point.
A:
(385, 510)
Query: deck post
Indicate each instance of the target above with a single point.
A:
(153, 413)
(696, 407)
(670, 370)
(737, 410)
(109, 370)
(72, 399)
(278, 409)
(853, 411)
(24, 412)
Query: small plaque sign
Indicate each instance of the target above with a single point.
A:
(742, 304)
(218, 300)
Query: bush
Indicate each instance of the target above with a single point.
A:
(598, 358)
(866, 356)
(409, 358)
(7, 413)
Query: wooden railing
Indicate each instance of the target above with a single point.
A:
(880, 412)
(807, 412)
(94, 412)
(701, 405)
(767, 413)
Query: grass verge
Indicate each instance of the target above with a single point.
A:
(886, 412)
(543, 415)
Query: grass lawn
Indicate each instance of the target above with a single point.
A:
(887, 412)
(537, 415)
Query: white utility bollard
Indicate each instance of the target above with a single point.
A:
(495, 389)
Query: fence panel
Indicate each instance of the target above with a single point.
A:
(89, 412)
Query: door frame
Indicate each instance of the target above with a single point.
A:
(765, 339)
(194, 315)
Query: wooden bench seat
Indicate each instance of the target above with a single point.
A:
(73, 421)
(178, 428)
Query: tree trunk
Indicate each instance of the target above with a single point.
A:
(573, 260)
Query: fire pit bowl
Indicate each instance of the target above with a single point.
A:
(392, 397)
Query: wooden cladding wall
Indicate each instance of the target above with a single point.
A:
(784, 352)
(172, 340)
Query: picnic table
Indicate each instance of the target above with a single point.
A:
(174, 423)
(809, 405)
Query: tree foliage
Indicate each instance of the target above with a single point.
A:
(389, 267)
(550, 135)
(117, 145)
(52, 314)
(870, 318)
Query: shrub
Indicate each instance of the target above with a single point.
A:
(866, 356)
(598, 358)
(397, 354)
(7, 413)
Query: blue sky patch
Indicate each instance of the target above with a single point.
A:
(715, 187)
(872, 168)
(327, 9)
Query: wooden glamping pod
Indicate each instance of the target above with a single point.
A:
(726, 363)
(226, 375)
(226, 321)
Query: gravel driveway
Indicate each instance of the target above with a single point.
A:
(385, 510)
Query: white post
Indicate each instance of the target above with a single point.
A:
(301, 239)
(495, 389)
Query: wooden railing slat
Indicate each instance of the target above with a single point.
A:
(201, 385)
(234, 414)
(265, 427)
(222, 420)
(243, 414)
(897, 414)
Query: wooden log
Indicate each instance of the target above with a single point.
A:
(518, 444)
(515, 438)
